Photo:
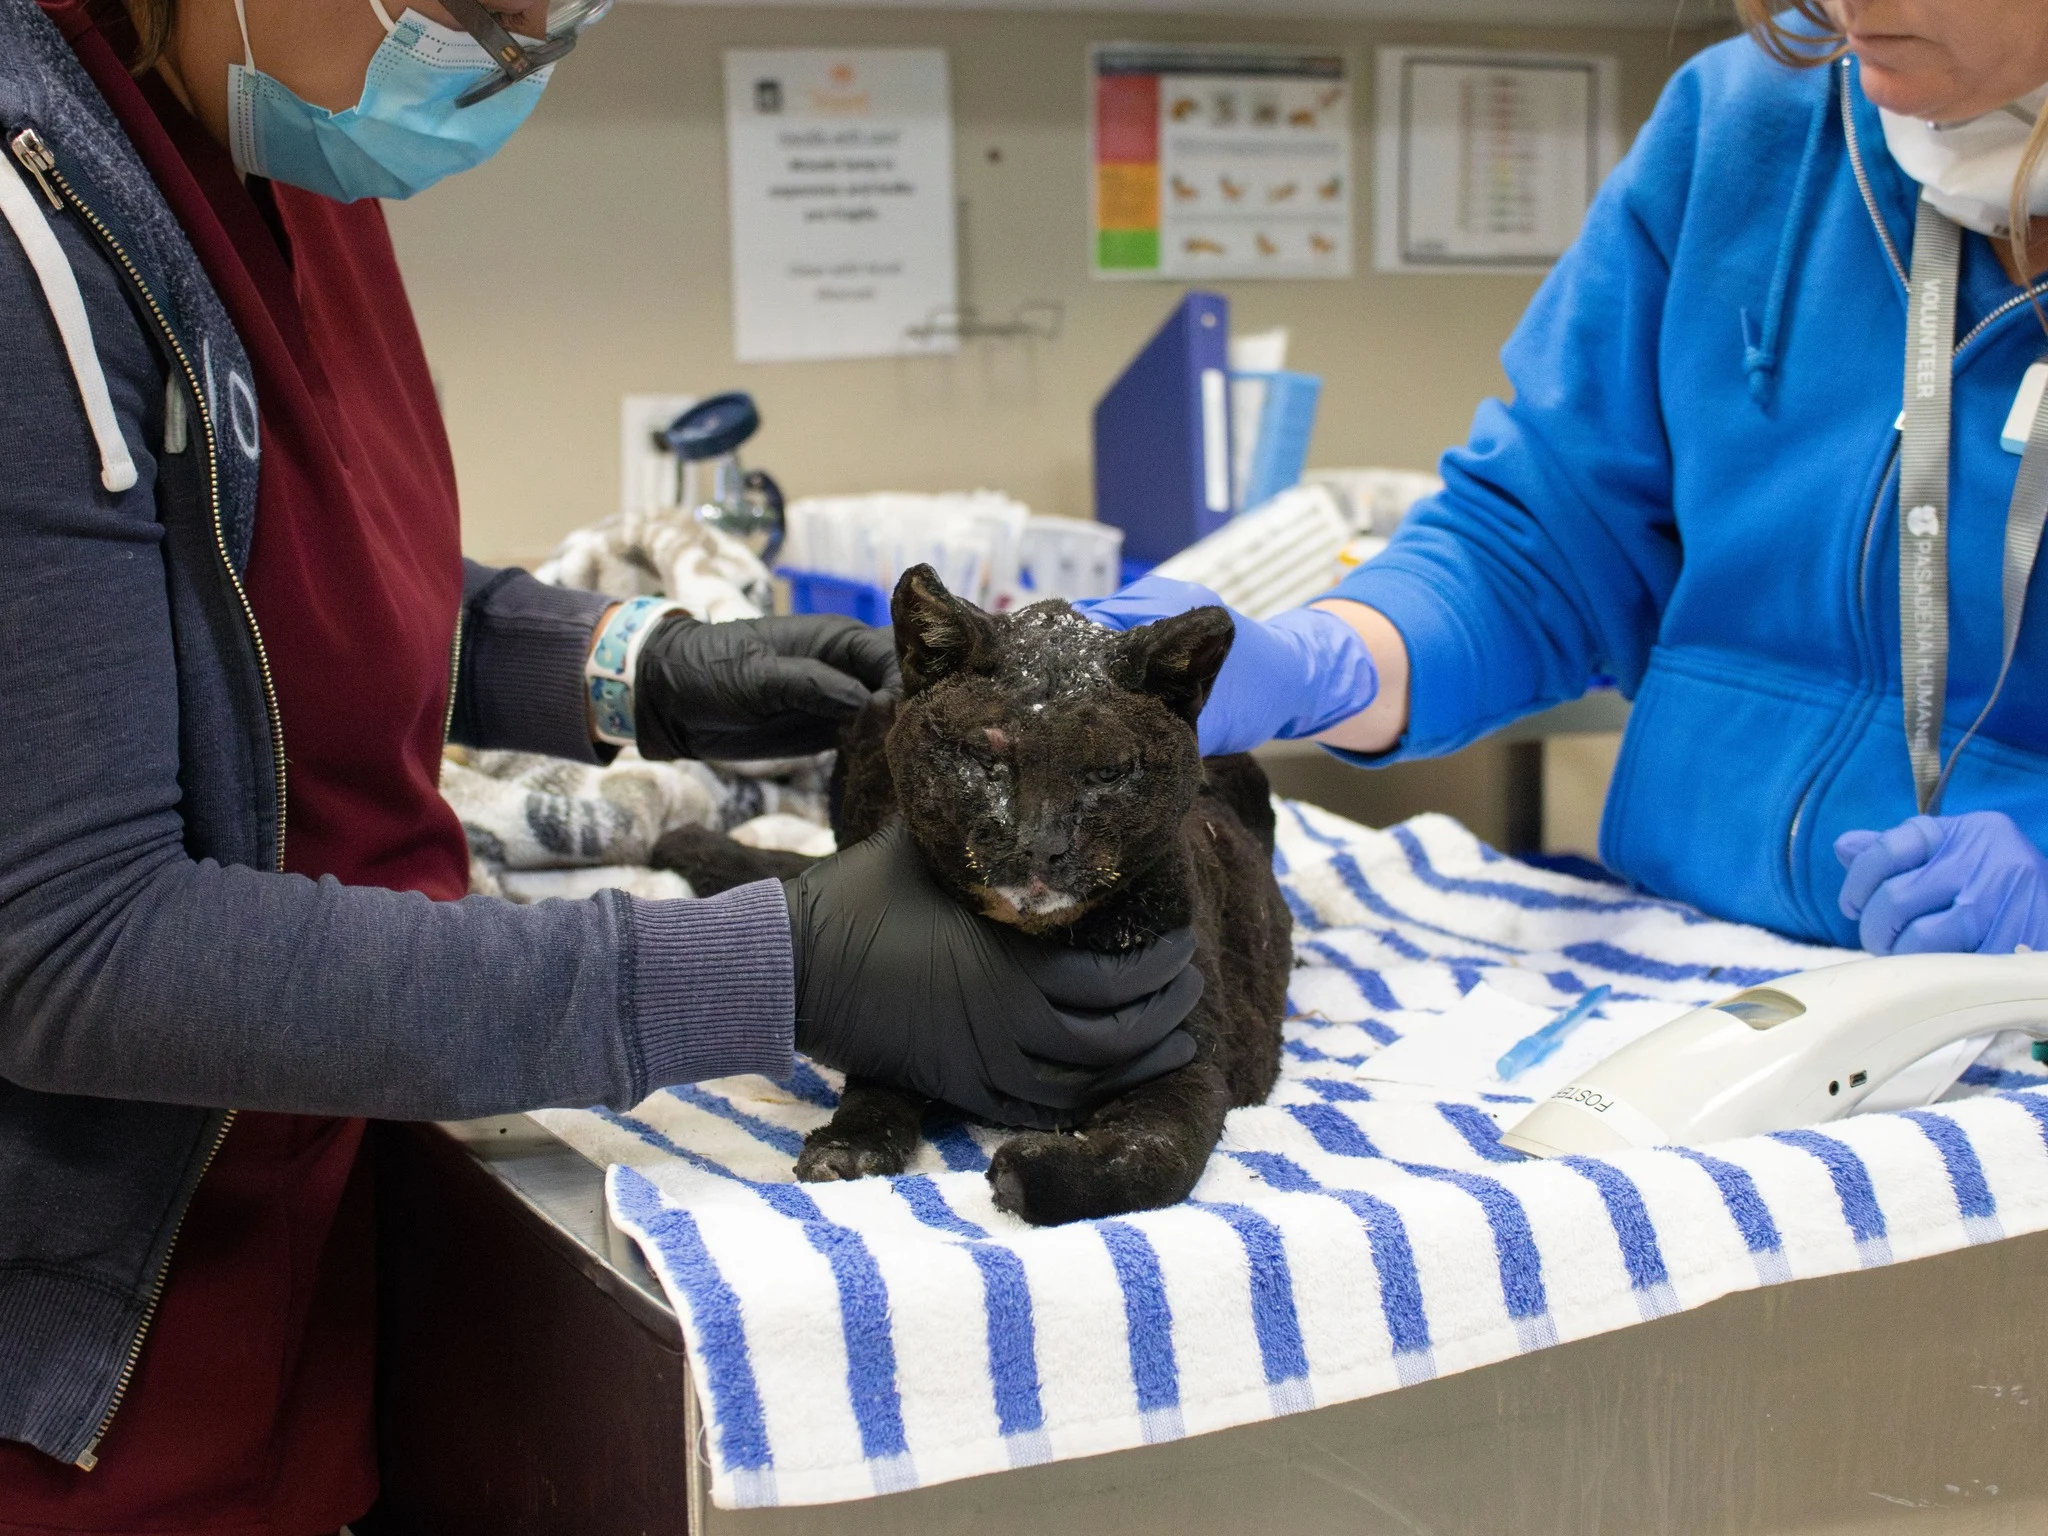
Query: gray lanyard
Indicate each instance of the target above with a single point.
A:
(1923, 509)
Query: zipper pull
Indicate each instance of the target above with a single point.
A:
(177, 432)
(35, 156)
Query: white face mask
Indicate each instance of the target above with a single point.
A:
(1967, 169)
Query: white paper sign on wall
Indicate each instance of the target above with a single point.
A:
(840, 169)
(1486, 162)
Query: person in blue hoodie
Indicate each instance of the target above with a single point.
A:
(1704, 486)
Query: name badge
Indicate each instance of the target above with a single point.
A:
(2025, 405)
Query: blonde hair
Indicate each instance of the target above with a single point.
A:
(152, 20)
(1822, 42)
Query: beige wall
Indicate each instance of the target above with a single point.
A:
(591, 260)
(1576, 771)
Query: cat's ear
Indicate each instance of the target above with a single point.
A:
(1176, 660)
(937, 634)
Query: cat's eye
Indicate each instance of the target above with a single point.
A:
(1109, 774)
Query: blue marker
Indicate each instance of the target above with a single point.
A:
(1542, 1045)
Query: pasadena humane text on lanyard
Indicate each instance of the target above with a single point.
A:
(1923, 508)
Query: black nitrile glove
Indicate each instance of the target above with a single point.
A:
(752, 688)
(896, 980)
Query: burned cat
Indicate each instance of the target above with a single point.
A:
(1046, 769)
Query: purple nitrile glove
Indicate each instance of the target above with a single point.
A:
(1292, 675)
(1946, 883)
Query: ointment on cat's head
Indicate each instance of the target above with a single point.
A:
(1041, 760)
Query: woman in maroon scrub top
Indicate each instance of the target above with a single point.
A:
(232, 884)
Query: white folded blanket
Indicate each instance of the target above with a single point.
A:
(544, 826)
(1351, 1236)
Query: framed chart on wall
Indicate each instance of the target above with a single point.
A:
(1486, 161)
(1219, 162)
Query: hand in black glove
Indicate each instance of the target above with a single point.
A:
(750, 688)
(896, 980)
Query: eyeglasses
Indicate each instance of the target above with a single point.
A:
(517, 60)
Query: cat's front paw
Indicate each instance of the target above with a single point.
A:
(829, 1155)
(1049, 1179)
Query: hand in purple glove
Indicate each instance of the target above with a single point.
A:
(1292, 675)
(1946, 883)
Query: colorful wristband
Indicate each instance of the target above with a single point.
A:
(615, 659)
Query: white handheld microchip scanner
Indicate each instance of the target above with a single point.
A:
(1803, 1050)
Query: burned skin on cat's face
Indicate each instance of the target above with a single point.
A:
(1036, 814)
(1043, 762)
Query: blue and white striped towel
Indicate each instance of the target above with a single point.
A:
(1351, 1236)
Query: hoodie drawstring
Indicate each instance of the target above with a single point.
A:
(67, 307)
(1760, 347)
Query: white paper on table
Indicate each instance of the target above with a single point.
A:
(1459, 1049)
(840, 186)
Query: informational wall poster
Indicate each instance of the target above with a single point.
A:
(1220, 162)
(1487, 161)
(840, 164)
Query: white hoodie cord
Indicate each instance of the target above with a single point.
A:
(67, 308)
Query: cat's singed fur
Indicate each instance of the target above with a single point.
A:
(1048, 773)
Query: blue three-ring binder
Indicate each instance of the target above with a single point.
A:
(1162, 435)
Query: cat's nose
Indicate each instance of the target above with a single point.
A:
(1050, 840)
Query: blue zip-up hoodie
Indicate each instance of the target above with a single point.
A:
(1695, 489)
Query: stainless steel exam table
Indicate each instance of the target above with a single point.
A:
(533, 1381)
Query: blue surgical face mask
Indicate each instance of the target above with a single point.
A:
(406, 132)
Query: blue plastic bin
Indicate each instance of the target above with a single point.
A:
(820, 592)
